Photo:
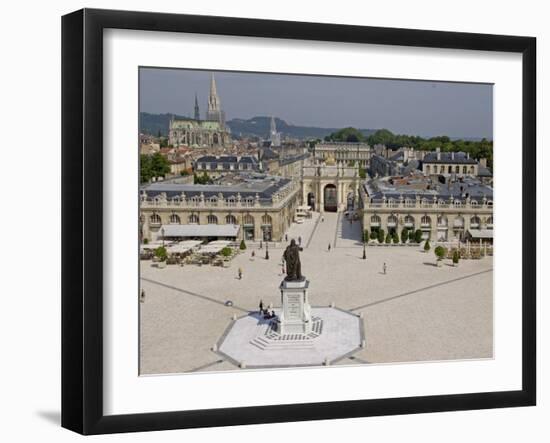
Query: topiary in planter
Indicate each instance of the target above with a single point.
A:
(226, 252)
(440, 252)
(242, 246)
(456, 257)
(427, 246)
(161, 253)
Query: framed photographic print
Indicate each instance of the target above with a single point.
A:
(270, 221)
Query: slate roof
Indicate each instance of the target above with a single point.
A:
(449, 157)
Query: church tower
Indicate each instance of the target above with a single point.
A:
(274, 136)
(197, 110)
(215, 112)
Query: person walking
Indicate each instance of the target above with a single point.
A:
(240, 274)
(286, 237)
(261, 244)
(300, 241)
(384, 267)
(329, 247)
(261, 306)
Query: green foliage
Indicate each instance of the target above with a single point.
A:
(184, 173)
(440, 252)
(203, 179)
(388, 238)
(163, 142)
(226, 252)
(427, 246)
(477, 149)
(145, 241)
(404, 235)
(362, 173)
(161, 253)
(346, 135)
(242, 246)
(418, 236)
(381, 235)
(152, 166)
(395, 237)
(366, 235)
(456, 256)
(373, 235)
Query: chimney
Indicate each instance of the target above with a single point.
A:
(452, 155)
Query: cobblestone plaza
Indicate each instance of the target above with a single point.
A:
(415, 312)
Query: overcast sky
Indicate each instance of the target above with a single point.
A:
(403, 106)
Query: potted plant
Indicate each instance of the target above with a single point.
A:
(242, 246)
(427, 245)
(161, 255)
(440, 253)
(456, 257)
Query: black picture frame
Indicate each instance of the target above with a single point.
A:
(82, 218)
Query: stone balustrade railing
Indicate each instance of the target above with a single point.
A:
(468, 205)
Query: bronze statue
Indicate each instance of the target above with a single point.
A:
(293, 265)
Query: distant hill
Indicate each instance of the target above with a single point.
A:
(153, 123)
(253, 127)
(259, 127)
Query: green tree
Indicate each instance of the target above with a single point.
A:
(381, 236)
(145, 169)
(440, 252)
(242, 246)
(395, 237)
(456, 257)
(404, 235)
(418, 236)
(346, 135)
(427, 245)
(159, 165)
(388, 238)
(226, 252)
(362, 173)
(161, 253)
(366, 235)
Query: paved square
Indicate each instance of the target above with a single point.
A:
(416, 312)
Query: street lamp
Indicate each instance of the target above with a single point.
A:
(162, 232)
(364, 249)
(266, 250)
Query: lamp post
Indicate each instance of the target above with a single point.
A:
(364, 250)
(162, 232)
(266, 250)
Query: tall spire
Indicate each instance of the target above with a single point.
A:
(215, 112)
(197, 110)
(213, 86)
(273, 128)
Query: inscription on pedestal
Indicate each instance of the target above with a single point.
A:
(293, 306)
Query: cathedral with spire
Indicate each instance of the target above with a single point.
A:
(199, 133)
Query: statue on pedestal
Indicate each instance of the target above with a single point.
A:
(293, 265)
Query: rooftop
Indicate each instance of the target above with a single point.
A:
(449, 157)
(425, 187)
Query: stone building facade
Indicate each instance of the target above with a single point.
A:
(329, 187)
(446, 213)
(264, 210)
(198, 133)
(346, 152)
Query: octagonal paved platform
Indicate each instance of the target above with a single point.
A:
(253, 342)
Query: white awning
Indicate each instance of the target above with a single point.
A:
(200, 230)
(182, 247)
(481, 233)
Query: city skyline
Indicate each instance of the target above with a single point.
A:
(413, 107)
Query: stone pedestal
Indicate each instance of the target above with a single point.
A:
(295, 316)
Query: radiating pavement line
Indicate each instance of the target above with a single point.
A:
(313, 231)
(194, 294)
(206, 366)
(368, 305)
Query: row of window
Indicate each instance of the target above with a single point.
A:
(213, 201)
(211, 219)
(449, 169)
(426, 220)
(393, 203)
